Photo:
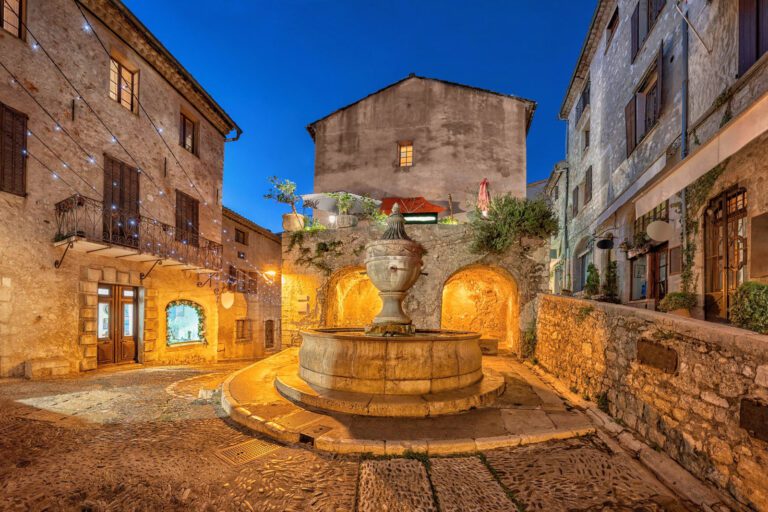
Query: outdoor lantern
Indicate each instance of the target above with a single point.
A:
(227, 299)
(605, 243)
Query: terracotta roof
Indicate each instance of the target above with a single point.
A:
(530, 104)
(233, 215)
(410, 205)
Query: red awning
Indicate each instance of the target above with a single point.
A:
(410, 205)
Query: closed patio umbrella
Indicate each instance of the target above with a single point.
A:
(483, 197)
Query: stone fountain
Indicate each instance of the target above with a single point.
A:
(390, 368)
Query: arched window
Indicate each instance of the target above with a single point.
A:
(185, 322)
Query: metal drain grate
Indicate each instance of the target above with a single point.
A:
(246, 452)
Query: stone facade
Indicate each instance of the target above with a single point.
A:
(459, 134)
(50, 313)
(322, 270)
(252, 273)
(681, 384)
(718, 95)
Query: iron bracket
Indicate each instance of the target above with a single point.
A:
(200, 285)
(143, 275)
(57, 263)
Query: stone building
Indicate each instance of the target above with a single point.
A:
(427, 138)
(111, 167)
(250, 326)
(666, 117)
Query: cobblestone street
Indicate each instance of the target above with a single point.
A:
(154, 439)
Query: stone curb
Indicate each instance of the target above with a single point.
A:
(663, 467)
(240, 414)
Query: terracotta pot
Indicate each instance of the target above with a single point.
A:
(682, 312)
(346, 221)
(293, 222)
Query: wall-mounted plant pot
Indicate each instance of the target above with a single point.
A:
(346, 221)
(682, 312)
(293, 222)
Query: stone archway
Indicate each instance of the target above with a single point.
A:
(352, 300)
(483, 299)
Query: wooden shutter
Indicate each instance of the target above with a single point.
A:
(762, 28)
(747, 34)
(187, 218)
(588, 186)
(635, 32)
(659, 81)
(575, 207)
(631, 124)
(13, 145)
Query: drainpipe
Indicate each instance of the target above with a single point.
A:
(684, 129)
(567, 248)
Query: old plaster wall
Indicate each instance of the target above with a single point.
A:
(460, 135)
(310, 263)
(47, 312)
(691, 410)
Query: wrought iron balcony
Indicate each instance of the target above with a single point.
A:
(86, 225)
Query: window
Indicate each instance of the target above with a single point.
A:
(575, 206)
(661, 212)
(188, 134)
(405, 153)
(269, 333)
(639, 282)
(13, 149)
(753, 32)
(644, 109)
(610, 30)
(588, 186)
(643, 19)
(584, 100)
(582, 264)
(586, 139)
(185, 322)
(242, 330)
(123, 85)
(12, 19)
(241, 236)
(187, 219)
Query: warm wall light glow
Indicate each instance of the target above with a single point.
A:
(352, 300)
(270, 273)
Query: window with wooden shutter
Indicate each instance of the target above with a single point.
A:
(188, 134)
(575, 206)
(644, 108)
(121, 203)
(630, 113)
(643, 19)
(12, 17)
(187, 218)
(124, 85)
(753, 32)
(635, 22)
(13, 149)
(610, 29)
(588, 186)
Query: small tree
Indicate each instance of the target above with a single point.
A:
(611, 284)
(344, 201)
(284, 192)
(592, 285)
(509, 220)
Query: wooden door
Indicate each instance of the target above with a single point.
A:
(116, 328)
(659, 269)
(187, 219)
(121, 203)
(725, 252)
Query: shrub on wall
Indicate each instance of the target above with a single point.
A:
(592, 284)
(750, 307)
(509, 220)
(611, 284)
(677, 300)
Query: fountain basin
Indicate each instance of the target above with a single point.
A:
(428, 362)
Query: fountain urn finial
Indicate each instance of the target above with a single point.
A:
(393, 264)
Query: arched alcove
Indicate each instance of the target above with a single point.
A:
(482, 299)
(352, 300)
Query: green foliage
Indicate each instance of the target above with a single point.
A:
(372, 211)
(677, 300)
(750, 307)
(583, 313)
(283, 191)
(611, 284)
(314, 226)
(592, 285)
(509, 220)
(448, 220)
(344, 201)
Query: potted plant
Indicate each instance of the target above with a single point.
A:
(750, 307)
(678, 303)
(344, 203)
(284, 192)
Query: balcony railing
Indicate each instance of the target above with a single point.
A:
(82, 218)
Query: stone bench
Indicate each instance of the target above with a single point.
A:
(46, 368)
(489, 346)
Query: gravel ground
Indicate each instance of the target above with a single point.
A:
(148, 439)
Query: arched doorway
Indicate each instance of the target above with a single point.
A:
(485, 300)
(352, 299)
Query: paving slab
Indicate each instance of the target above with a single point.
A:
(397, 485)
(464, 484)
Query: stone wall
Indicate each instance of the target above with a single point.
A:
(313, 262)
(688, 387)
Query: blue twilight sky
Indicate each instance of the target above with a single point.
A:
(277, 65)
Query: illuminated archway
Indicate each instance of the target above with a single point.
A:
(485, 300)
(352, 300)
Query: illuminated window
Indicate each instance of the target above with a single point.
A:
(188, 134)
(12, 17)
(185, 322)
(123, 85)
(405, 152)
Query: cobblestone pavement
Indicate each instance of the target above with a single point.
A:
(154, 439)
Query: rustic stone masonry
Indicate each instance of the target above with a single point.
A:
(695, 390)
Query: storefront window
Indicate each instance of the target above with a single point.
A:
(639, 278)
(185, 322)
